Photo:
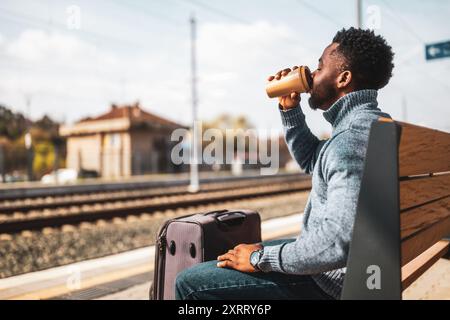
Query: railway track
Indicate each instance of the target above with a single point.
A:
(112, 209)
(86, 188)
(35, 204)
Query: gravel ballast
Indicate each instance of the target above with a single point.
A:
(37, 250)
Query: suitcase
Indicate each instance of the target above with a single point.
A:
(185, 241)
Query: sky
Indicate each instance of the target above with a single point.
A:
(72, 59)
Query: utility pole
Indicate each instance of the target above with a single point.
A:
(56, 143)
(358, 14)
(194, 183)
(2, 164)
(29, 141)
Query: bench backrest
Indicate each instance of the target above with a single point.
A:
(403, 210)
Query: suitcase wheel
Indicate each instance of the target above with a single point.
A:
(192, 250)
(172, 248)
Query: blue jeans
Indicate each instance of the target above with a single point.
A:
(206, 281)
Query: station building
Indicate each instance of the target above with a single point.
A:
(125, 141)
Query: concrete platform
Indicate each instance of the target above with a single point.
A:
(127, 276)
(67, 280)
(432, 285)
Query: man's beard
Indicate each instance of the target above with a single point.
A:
(322, 96)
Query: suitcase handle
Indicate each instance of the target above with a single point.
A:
(230, 219)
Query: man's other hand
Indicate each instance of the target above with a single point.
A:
(289, 101)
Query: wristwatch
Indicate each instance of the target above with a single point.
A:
(255, 257)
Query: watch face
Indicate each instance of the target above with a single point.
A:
(254, 258)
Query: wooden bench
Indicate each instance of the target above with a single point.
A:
(403, 213)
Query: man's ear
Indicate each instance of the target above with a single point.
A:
(344, 79)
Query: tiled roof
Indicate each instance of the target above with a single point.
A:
(135, 113)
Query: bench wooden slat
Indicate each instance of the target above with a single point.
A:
(414, 220)
(414, 269)
(422, 150)
(415, 192)
(412, 246)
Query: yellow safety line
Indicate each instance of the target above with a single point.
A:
(85, 283)
(120, 274)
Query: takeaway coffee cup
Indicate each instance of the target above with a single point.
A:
(298, 80)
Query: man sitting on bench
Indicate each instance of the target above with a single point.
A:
(351, 70)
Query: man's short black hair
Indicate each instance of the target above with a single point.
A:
(367, 56)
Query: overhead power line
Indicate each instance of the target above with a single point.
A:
(402, 22)
(174, 23)
(320, 13)
(218, 11)
(234, 18)
(30, 20)
(405, 25)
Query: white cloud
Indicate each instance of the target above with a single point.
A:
(60, 69)
(38, 46)
(234, 63)
(72, 78)
(226, 46)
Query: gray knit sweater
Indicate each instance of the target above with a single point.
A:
(336, 165)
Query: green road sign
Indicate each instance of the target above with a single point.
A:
(437, 50)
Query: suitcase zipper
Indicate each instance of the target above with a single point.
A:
(159, 270)
(161, 243)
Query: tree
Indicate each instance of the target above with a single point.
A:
(45, 136)
(12, 125)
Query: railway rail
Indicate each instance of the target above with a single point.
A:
(74, 215)
(26, 205)
(13, 193)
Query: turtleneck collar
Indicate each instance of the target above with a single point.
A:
(349, 102)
